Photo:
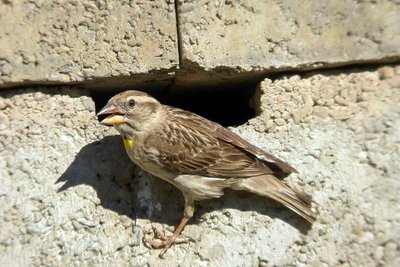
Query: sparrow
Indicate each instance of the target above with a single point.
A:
(199, 157)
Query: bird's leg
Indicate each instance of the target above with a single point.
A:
(168, 242)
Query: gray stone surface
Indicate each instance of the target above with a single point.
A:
(70, 196)
(134, 44)
(45, 42)
(239, 40)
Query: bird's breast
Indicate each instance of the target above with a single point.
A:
(146, 157)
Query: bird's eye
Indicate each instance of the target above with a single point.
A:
(131, 103)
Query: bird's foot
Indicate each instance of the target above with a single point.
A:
(165, 243)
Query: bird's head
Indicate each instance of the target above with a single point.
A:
(130, 112)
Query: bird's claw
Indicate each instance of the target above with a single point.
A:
(165, 243)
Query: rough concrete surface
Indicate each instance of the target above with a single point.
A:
(76, 41)
(70, 196)
(239, 39)
(131, 44)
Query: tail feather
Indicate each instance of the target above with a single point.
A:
(270, 186)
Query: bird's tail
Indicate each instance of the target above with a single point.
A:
(270, 186)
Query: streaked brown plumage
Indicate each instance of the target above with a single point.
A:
(198, 156)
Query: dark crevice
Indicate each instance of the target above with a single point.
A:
(228, 106)
(191, 75)
(178, 33)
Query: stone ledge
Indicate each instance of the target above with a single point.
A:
(55, 42)
(242, 39)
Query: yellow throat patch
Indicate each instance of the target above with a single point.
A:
(129, 144)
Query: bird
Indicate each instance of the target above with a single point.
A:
(199, 157)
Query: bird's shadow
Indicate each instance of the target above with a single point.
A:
(124, 188)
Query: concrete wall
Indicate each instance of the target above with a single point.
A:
(70, 196)
(108, 44)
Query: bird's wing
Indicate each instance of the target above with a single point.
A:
(190, 144)
(275, 164)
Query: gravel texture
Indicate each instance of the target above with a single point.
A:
(70, 196)
(132, 42)
(287, 33)
(235, 40)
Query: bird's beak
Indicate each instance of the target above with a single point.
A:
(115, 118)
